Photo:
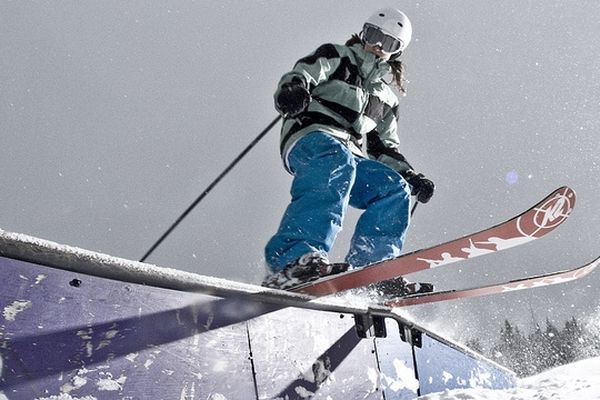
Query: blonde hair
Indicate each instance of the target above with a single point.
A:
(398, 68)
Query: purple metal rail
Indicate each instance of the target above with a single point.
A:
(82, 325)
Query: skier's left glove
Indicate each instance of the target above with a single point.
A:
(422, 187)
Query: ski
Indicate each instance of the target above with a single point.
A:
(548, 279)
(532, 224)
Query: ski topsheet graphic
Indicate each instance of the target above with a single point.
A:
(531, 282)
(532, 224)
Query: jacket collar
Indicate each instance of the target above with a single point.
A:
(369, 63)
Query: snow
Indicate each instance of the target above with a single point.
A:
(10, 312)
(576, 380)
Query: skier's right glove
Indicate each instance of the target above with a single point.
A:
(293, 98)
(422, 187)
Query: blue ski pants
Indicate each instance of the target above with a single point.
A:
(328, 178)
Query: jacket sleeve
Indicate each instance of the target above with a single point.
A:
(383, 144)
(313, 69)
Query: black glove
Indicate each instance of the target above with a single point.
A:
(292, 99)
(422, 187)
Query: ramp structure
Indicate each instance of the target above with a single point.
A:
(76, 324)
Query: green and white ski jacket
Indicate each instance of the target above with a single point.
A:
(351, 101)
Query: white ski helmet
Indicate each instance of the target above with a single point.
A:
(394, 23)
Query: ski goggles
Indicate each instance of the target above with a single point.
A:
(373, 36)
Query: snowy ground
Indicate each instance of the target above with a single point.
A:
(580, 380)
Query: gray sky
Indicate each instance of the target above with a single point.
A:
(114, 116)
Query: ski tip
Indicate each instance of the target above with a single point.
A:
(596, 262)
(548, 214)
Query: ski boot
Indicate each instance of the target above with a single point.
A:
(400, 287)
(307, 268)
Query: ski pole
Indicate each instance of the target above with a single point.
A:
(210, 187)
(414, 207)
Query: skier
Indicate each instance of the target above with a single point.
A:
(339, 140)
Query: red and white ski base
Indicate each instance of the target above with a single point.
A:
(532, 224)
(552, 278)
